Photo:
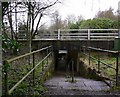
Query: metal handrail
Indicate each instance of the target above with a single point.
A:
(16, 58)
(102, 50)
(11, 90)
(99, 61)
(8, 92)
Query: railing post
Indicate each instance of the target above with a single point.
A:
(88, 34)
(34, 69)
(117, 80)
(58, 34)
(52, 51)
(47, 54)
(42, 62)
(98, 61)
(89, 56)
(5, 64)
(72, 71)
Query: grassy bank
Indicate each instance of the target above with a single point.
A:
(104, 57)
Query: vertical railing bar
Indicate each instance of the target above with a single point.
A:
(98, 61)
(42, 61)
(47, 54)
(89, 56)
(29, 60)
(52, 58)
(33, 72)
(58, 34)
(52, 51)
(117, 54)
(34, 69)
(5, 63)
(72, 71)
(88, 34)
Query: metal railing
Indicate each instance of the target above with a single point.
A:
(80, 34)
(70, 68)
(25, 65)
(100, 65)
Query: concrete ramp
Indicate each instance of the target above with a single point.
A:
(81, 86)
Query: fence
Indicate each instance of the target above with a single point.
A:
(80, 34)
(23, 70)
(109, 71)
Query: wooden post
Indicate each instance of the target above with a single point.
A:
(72, 71)
(117, 80)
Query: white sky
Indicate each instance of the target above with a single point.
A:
(86, 8)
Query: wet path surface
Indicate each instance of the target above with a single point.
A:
(81, 86)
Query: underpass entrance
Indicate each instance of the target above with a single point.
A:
(63, 60)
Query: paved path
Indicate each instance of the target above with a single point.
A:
(82, 86)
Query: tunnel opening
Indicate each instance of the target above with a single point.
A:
(63, 60)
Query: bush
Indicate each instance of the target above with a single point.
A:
(9, 45)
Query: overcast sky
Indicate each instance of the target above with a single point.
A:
(86, 8)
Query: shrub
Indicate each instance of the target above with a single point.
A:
(9, 45)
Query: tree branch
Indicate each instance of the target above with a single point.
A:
(33, 20)
(37, 26)
(43, 8)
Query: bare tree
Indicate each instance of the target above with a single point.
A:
(4, 10)
(7, 12)
(71, 18)
(36, 10)
(107, 14)
(56, 21)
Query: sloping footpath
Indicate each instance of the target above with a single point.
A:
(81, 86)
